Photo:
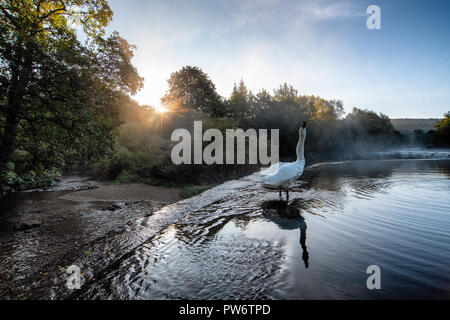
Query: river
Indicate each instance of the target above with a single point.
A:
(238, 241)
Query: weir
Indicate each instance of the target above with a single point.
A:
(412, 154)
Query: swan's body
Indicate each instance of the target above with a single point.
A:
(283, 174)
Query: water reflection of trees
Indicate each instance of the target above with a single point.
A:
(363, 178)
(442, 167)
(330, 176)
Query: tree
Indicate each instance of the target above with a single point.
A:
(443, 131)
(240, 101)
(59, 98)
(29, 28)
(191, 89)
(420, 137)
(368, 126)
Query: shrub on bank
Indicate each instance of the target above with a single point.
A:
(13, 180)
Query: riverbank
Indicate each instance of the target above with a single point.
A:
(127, 192)
(43, 230)
(81, 221)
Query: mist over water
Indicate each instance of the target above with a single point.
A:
(343, 218)
(412, 153)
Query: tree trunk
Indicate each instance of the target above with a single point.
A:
(21, 76)
(9, 137)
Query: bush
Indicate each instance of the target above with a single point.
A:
(138, 151)
(126, 177)
(14, 179)
(192, 191)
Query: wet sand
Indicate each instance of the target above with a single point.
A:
(126, 192)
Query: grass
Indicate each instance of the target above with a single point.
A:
(126, 177)
(192, 191)
(188, 191)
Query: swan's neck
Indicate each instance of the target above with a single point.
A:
(301, 146)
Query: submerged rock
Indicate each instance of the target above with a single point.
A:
(113, 207)
(26, 225)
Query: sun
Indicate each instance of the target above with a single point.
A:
(160, 109)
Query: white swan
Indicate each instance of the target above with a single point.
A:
(282, 175)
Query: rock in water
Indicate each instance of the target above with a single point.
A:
(26, 225)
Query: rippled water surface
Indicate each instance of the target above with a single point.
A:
(341, 219)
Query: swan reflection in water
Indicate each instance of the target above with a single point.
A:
(287, 217)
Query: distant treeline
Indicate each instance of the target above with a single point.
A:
(330, 134)
(407, 126)
(144, 140)
(438, 138)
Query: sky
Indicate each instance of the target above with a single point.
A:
(322, 48)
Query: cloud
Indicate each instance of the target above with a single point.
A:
(326, 10)
(248, 12)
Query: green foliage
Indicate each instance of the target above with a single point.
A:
(60, 100)
(127, 177)
(12, 181)
(188, 191)
(439, 138)
(10, 178)
(44, 19)
(191, 89)
(240, 101)
(221, 124)
(139, 148)
(443, 132)
(192, 191)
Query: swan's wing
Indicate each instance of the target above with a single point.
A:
(272, 169)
